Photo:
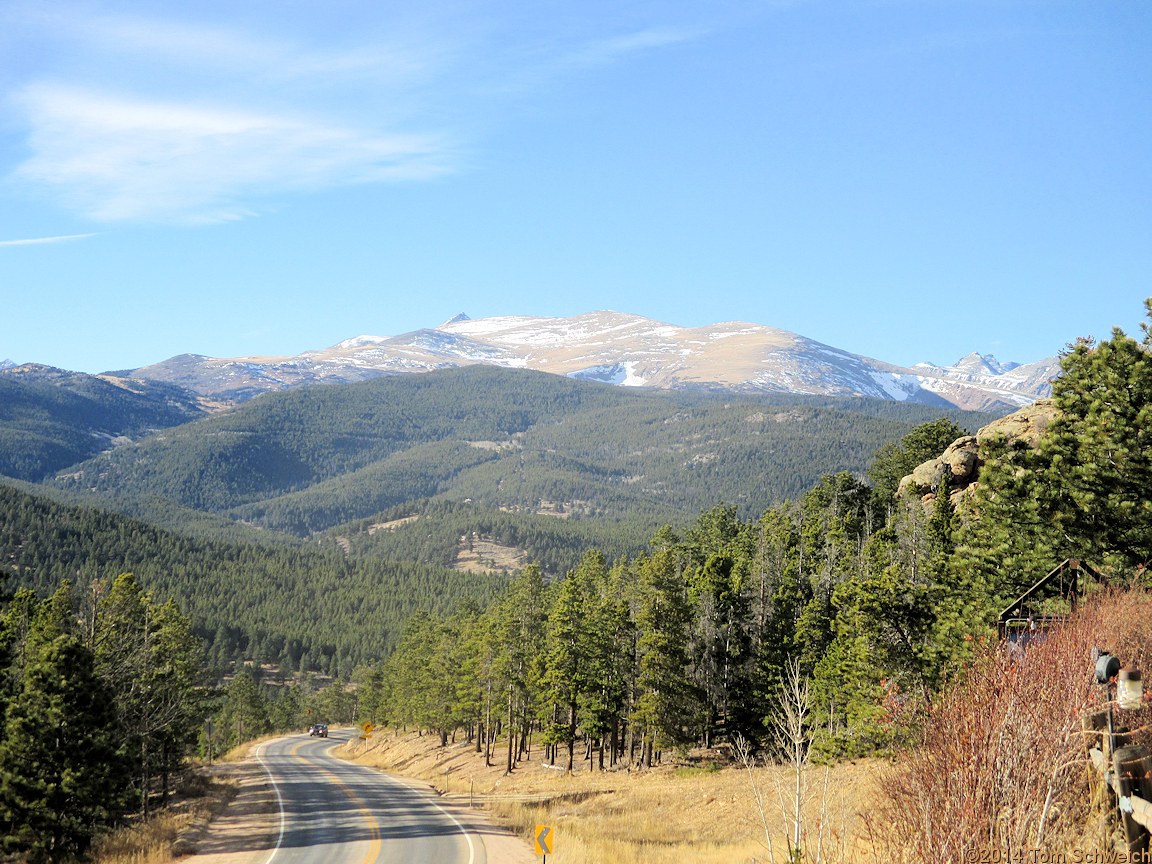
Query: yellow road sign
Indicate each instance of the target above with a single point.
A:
(368, 727)
(543, 839)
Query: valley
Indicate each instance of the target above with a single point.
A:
(277, 504)
(541, 566)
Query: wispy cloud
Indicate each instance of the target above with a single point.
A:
(615, 47)
(40, 241)
(112, 158)
(147, 118)
(170, 119)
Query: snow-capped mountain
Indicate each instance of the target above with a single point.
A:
(628, 350)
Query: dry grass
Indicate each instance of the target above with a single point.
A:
(198, 798)
(242, 751)
(392, 525)
(659, 816)
(487, 557)
(1004, 762)
(147, 843)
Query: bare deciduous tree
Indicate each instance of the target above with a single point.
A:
(795, 792)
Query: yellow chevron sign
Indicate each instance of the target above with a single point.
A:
(543, 839)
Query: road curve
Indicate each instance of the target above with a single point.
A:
(329, 811)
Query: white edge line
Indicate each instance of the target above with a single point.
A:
(279, 801)
(467, 836)
(418, 787)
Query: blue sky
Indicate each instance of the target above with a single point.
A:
(906, 179)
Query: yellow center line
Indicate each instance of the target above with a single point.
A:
(377, 843)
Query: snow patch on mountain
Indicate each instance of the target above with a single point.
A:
(894, 386)
(620, 374)
(629, 351)
(357, 342)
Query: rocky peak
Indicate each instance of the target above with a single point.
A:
(983, 364)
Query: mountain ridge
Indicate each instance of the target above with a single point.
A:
(51, 418)
(307, 459)
(626, 350)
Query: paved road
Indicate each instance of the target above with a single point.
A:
(330, 811)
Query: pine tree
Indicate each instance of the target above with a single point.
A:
(568, 650)
(149, 657)
(778, 595)
(245, 712)
(519, 634)
(610, 666)
(1099, 449)
(719, 652)
(667, 707)
(61, 776)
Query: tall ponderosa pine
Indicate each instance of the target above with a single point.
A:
(148, 655)
(837, 518)
(61, 775)
(667, 709)
(244, 715)
(611, 664)
(568, 651)
(778, 593)
(519, 633)
(717, 552)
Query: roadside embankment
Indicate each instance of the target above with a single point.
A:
(705, 815)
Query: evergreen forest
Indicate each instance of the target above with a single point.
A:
(305, 461)
(859, 605)
(128, 647)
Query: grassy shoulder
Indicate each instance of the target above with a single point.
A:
(202, 794)
(707, 815)
(197, 799)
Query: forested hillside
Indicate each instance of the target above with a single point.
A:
(847, 607)
(303, 607)
(306, 460)
(437, 531)
(50, 418)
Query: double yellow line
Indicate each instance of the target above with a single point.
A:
(357, 801)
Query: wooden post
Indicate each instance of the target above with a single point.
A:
(1096, 727)
(1132, 765)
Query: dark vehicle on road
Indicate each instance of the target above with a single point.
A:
(318, 730)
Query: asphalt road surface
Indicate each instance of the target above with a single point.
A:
(330, 811)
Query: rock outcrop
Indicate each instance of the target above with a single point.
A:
(961, 461)
(1027, 425)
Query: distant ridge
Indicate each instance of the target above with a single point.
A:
(626, 350)
(51, 418)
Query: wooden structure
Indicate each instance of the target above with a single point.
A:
(1127, 773)
(1066, 580)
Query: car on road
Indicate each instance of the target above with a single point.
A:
(318, 730)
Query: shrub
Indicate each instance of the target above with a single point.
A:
(1003, 766)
